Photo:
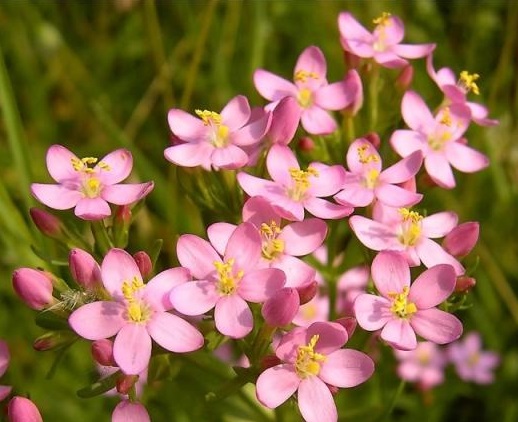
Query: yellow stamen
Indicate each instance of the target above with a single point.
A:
(473, 359)
(272, 247)
(467, 81)
(220, 131)
(400, 306)
(437, 141)
(371, 178)
(301, 182)
(410, 229)
(136, 310)
(209, 117)
(383, 20)
(365, 158)
(303, 75)
(446, 117)
(83, 164)
(228, 280)
(92, 187)
(308, 361)
(305, 97)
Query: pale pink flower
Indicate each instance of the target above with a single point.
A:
(215, 140)
(281, 245)
(89, 189)
(4, 363)
(403, 310)
(130, 411)
(350, 285)
(21, 409)
(472, 363)
(424, 365)
(293, 190)
(285, 117)
(383, 44)
(312, 361)
(314, 95)
(456, 90)
(439, 138)
(407, 232)
(366, 181)
(227, 283)
(137, 313)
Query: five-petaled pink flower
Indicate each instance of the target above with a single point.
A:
(215, 139)
(137, 313)
(314, 95)
(439, 138)
(293, 190)
(403, 309)
(383, 44)
(88, 184)
(312, 361)
(365, 181)
(225, 284)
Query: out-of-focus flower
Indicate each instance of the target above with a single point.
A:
(317, 309)
(350, 285)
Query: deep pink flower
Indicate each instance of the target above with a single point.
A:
(84, 269)
(312, 360)
(89, 189)
(293, 190)
(403, 310)
(383, 44)
(21, 409)
(213, 139)
(225, 284)
(314, 95)
(366, 181)
(137, 313)
(439, 138)
(408, 232)
(471, 362)
(4, 363)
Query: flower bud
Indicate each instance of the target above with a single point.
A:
(144, 263)
(307, 292)
(47, 223)
(34, 287)
(52, 340)
(125, 383)
(462, 239)
(281, 308)
(102, 352)
(130, 411)
(405, 77)
(349, 323)
(21, 409)
(374, 139)
(464, 284)
(306, 144)
(84, 269)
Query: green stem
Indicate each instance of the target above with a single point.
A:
(395, 399)
(102, 241)
(373, 96)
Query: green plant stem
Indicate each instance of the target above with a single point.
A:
(373, 96)
(394, 401)
(102, 240)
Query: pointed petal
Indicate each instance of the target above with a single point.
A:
(312, 60)
(354, 37)
(194, 298)
(317, 121)
(433, 286)
(118, 266)
(464, 158)
(322, 208)
(439, 224)
(297, 272)
(126, 194)
(392, 32)
(190, 154)
(285, 121)
(236, 113)
(316, 402)
(405, 142)
(254, 186)
(158, 289)
(98, 320)
(413, 51)
(403, 169)
(394, 196)
(346, 368)
(374, 235)
(56, 196)
(355, 194)
(92, 209)
(276, 385)
(186, 127)
(251, 133)
(302, 238)
(259, 285)
(436, 325)
(116, 167)
(372, 312)
(279, 162)
(244, 246)
(230, 157)
(432, 254)
(233, 317)
(330, 180)
(197, 255)
(416, 113)
(390, 272)
(273, 87)
(331, 336)
(173, 333)
(258, 210)
(132, 349)
(219, 234)
(59, 163)
(335, 96)
(439, 170)
(399, 334)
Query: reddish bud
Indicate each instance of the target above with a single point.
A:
(281, 308)
(34, 287)
(405, 78)
(123, 214)
(102, 352)
(464, 284)
(349, 323)
(125, 383)
(462, 239)
(144, 263)
(307, 292)
(52, 340)
(21, 409)
(46, 223)
(269, 361)
(352, 61)
(306, 144)
(374, 139)
(84, 269)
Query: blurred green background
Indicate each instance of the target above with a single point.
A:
(100, 75)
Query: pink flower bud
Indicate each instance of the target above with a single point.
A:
(144, 263)
(306, 144)
(46, 223)
(21, 409)
(84, 269)
(307, 292)
(374, 139)
(52, 340)
(102, 352)
(130, 411)
(349, 323)
(464, 284)
(125, 382)
(34, 287)
(462, 239)
(281, 308)
(405, 77)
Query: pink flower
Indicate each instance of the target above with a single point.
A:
(317, 309)
(137, 313)
(128, 411)
(383, 44)
(4, 363)
(438, 138)
(21, 409)
(350, 285)
(225, 284)
(456, 90)
(281, 245)
(293, 190)
(366, 182)
(87, 188)
(471, 362)
(311, 90)
(404, 310)
(462, 239)
(312, 360)
(34, 287)
(215, 139)
(408, 232)
(424, 365)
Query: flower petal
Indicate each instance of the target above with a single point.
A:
(276, 385)
(329, 180)
(59, 164)
(236, 113)
(190, 154)
(197, 255)
(436, 325)
(331, 336)
(354, 37)
(346, 368)
(158, 289)
(433, 286)
(302, 238)
(438, 168)
(279, 162)
(56, 196)
(297, 272)
(325, 209)
(405, 142)
(399, 334)
(98, 320)
(464, 158)
(194, 298)
(372, 312)
(114, 167)
(439, 224)
(317, 121)
(403, 169)
(218, 234)
(230, 157)
(373, 234)
(336, 96)
(259, 285)
(92, 209)
(173, 333)
(127, 411)
(273, 87)
(432, 254)
(355, 194)
(416, 113)
(233, 317)
(394, 196)
(315, 401)
(312, 61)
(118, 266)
(132, 349)
(126, 194)
(244, 246)
(390, 272)
(186, 127)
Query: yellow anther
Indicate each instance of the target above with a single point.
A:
(383, 20)
(365, 158)
(84, 164)
(401, 307)
(305, 97)
(219, 137)
(227, 280)
(301, 182)
(91, 187)
(446, 117)
(103, 166)
(473, 359)
(410, 229)
(271, 247)
(209, 117)
(414, 216)
(308, 361)
(467, 81)
(136, 310)
(129, 288)
(304, 75)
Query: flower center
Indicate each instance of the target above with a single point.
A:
(91, 186)
(381, 23)
(271, 247)
(423, 357)
(443, 133)
(301, 182)
(305, 97)
(227, 279)
(410, 228)
(308, 361)
(467, 82)
(473, 359)
(136, 310)
(220, 132)
(400, 306)
(370, 179)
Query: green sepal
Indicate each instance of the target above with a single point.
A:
(50, 321)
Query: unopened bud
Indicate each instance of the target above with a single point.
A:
(280, 309)
(102, 352)
(84, 269)
(47, 223)
(21, 409)
(349, 323)
(144, 263)
(405, 78)
(53, 340)
(34, 287)
(306, 144)
(464, 284)
(125, 383)
(307, 292)
(269, 361)
(374, 139)
(462, 239)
